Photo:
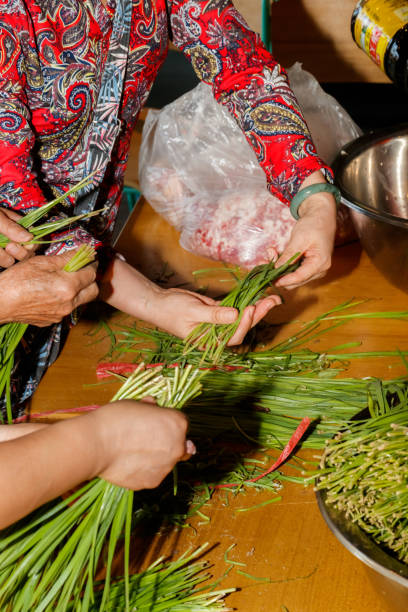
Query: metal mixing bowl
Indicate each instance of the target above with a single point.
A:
(372, 174)
(388, 575)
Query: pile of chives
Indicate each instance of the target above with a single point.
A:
(50, 559)
(364, 473)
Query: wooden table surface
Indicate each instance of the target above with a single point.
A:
(288, 541)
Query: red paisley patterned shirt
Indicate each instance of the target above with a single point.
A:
(52, 55)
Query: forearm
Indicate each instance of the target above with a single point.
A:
(12, 432)
(253, 87)
(39, 466)
(123, 287)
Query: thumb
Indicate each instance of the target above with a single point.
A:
(219, 315)
(13, 230)
(272, 254)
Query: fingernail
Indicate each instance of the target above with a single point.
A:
(272, 254)
(190, 447)
(13, 249)
(229, 315)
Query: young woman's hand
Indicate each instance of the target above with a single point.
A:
(16, 234)
(177, 311)
(313, 236)
(131, 444)
(181, 310)
(140, 443)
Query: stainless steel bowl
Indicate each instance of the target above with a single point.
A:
(388, 575)
(372, 174)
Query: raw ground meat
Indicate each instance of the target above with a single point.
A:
(242, 228)
(197, 169)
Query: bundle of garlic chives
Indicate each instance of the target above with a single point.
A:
(285, 386)
(12, 333)
(288, 355)
(49, 560)
(165, 348)
(267, 410)
(214, 338)
(169, 586)
(36, 214)
(364, 473)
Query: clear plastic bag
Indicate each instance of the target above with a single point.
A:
(198, 171)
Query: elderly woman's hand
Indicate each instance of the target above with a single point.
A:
(39, 291)
(313, 236)
(16, 234)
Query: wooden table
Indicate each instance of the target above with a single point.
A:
(288, 541)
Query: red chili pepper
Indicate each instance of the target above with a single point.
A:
(298, 433)
(106, 369)
(21, 419)
(157, 365)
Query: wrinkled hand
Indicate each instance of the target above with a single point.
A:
(140, 443)
(181, 311)
(313, 237)
(10, 228)
(40, 292)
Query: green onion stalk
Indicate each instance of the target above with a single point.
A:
(49, 559)
(364, 474)
(214, 338)
(12, 333)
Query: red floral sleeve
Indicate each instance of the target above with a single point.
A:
(18, 183)
(19, 187)
(246, 78)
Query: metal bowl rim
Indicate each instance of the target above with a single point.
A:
(348, 153)
(387, 573)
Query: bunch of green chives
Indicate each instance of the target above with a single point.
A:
(175, 586)
(39, 231)
(288, 356)
(267, 409)
(364, 473)
(266, 393)
(12, 333)
(49, 560)
(165, 348)
(214, 338)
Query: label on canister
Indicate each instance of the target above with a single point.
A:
(376, 22)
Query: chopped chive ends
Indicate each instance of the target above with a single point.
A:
(364, 473)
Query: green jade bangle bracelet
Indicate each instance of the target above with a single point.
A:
(308, 191)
